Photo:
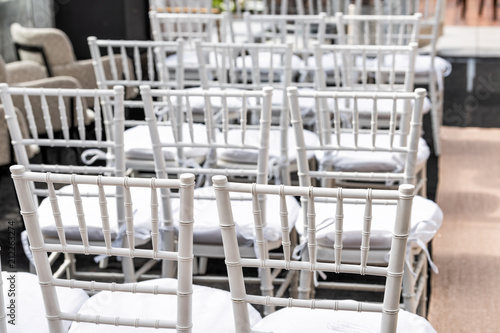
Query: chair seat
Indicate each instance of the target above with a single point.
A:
(234, 104)
(266, 62)
(367, 161)
(142, 217)
(426, 219)
(211, 309)
(206, 226)
(189, 58)
(290, 320)
(30, 313)
(241, 156)
(138, 143)
(423, 64)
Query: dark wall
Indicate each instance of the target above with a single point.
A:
(105, 19)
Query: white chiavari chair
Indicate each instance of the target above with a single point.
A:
(311, 7)
(321, 315)
(181, 6)
(299, 30)
(224, 144)
(146, 65)
(253, 66)
(151, 55)
(171, 27)
(366, 68)
(363, 67)
(430, 69)
(121, 307)
(376, 29)
(97, 152)
(364, 156)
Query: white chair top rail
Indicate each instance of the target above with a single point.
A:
(207, 27)
(126, 59)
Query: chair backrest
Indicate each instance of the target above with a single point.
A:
(251, 66)
(365, 67)
(299, 30)
(377, 29)
(148, 66)
(330, 7)
(247, 66)
(431, 11)
(207, 27)
(339, 129)
(218, 137)
(181, 6)
(183, 256)
(393, 273)
(65, 128)
(265, 7)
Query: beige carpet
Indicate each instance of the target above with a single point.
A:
(466, 292)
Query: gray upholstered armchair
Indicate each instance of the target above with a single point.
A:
(52, 48)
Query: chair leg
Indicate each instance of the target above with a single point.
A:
(267, 288)
(423, 284)
(168, 267)
(409, 287)
(305, 280)
(435, 110)
(202, 265)
(128, 266)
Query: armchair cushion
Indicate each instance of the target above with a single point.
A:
(23, 71)
(60, 55)
(56, 44)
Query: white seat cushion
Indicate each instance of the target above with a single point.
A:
(327, 62)
(189, 58)
(206, 225)
(423, 64)
(138, 142)
(234, 104)
(252, 138)
(30, 310)
(265, 63)
(211, 309)
(367, 161)
(291, 320)
(426, 219)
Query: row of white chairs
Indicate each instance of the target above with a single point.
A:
(223, 143)
(395, 23)
(180, 305)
